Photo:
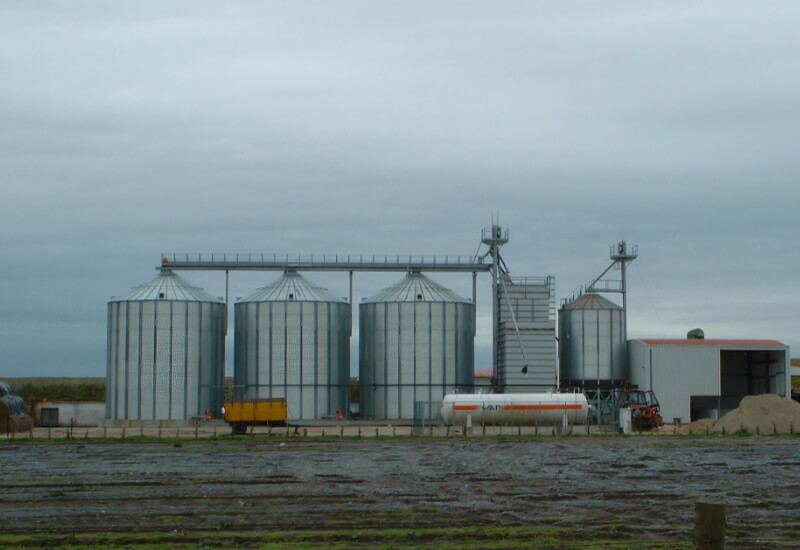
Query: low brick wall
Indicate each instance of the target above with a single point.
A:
(76, 414)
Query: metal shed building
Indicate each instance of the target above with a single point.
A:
(483, 380)
(697, 378)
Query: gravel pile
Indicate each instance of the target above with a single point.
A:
(761, 414)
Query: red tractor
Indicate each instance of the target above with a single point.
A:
(644, 408)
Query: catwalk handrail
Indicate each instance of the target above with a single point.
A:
(329, 262)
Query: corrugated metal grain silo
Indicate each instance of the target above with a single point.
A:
(592, 344)
(293, 341)
(166, 351)
(417, 343)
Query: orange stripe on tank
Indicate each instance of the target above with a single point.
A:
(542, 407)
(466, 407)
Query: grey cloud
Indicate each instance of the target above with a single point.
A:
(397, 129)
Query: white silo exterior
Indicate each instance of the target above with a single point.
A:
(166, 352)
(416, 345)
(292, 341)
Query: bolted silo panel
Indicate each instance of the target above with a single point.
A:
(592, 345)
(130, 390)
(166, 352)
(417, 345)
(145, 409)
(292, 342)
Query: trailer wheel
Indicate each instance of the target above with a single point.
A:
(239, 428)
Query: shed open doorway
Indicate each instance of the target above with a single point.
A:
(742, 373)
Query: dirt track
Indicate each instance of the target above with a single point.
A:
(643, 485)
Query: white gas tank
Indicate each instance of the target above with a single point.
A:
(527, 409)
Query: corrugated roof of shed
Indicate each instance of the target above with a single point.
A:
(292, 287)
(416, 287)
(167, 286)
(713, 343)
(592, 301)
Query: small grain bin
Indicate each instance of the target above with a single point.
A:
(592, 344)
(417, 344)
(292, 341)
(166, 351)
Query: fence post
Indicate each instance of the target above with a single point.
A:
(709, 525)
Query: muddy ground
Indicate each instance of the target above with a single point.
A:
(643, 487)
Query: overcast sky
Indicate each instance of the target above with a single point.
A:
(132, 129)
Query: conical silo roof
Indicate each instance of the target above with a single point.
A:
(292, 287)
(167, 286)
(416, 287)
(592, 301)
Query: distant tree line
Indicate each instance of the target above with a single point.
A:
(97, 392)
(354, 394)
(62, 392)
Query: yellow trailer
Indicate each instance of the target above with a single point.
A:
(254, 412)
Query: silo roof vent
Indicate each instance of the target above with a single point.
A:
(167, 286)
(592, 301)
(416, 287)
(292, 287)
